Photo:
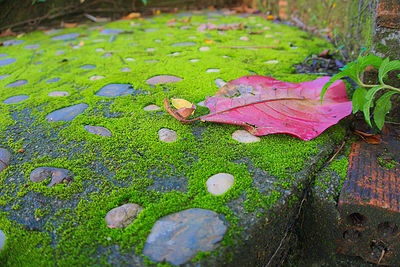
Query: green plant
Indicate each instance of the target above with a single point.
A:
(363, 97)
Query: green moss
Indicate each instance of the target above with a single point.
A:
(109, 172)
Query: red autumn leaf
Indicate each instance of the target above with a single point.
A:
(264, 105)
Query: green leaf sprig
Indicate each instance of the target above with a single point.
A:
(363, 97)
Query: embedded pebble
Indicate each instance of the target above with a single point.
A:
(111, 31)
(68, 113)
(151, 61)
(126, 69)
(59, 53)
(219, 183)
(38, 63)
(107, 55)
(186, 27)
(98, 130)
(5, 157)
(4, 76)
(212, 70)
(31, 46)
(115, 89)
(194, 60)
(94, 78)
(204, 48)
(99, 50)
(167, 135)
(184, 44)
(17, 83)
(244, 38)
(174, 54)
(53, 80)
(88, 67)
(244, 136)
(129, 59)
(150, 49)
(2, 240)
(66, 37)
(3, 55)
(15, 99)
(163, 79)
(151, 107)
(57, 175)
(12, 42)
(157, 40)
(58, 93)
(7, 61)
(271, 62)
(123, 216)
(178, 237)
(226, 56)
(150, 30)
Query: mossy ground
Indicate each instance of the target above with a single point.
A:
(64, 225)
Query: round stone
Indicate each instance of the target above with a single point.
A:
(178, 237)
(194, 60)
(5, 158)
(15, 99)
(99, 50)
(2, 240)
(3, 55)
(98, 130)
(111, 31)
(57, 175)
(88, 67)
(115, 89)
(53, 80)
(97, 77)
(271, 62)
(212, 70)
(244, 38)
(31, 46)
(126, 69)
(123, 216)
(184, 44)
(157, 40)
(163, 79)
(66, 37)
(151, 107)
(68, 113)
(204, 48)
(7, 61)
(244, 136)
(4, 76)
(59, 53)
(151, 61)
(58, 93)
(106, 55)
(129, 59)
(150, 49)
(219, 183)
(167, 135)
(17, 83)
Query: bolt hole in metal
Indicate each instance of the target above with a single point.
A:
(356, 219)
(387, 229)
(352, 235)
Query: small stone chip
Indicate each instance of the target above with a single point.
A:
(151, 107)
(219, 183)
(167, 135)
(244, 136)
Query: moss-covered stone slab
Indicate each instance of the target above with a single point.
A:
(178, 237)
(68, 113)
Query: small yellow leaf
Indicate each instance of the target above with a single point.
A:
(180, 103)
